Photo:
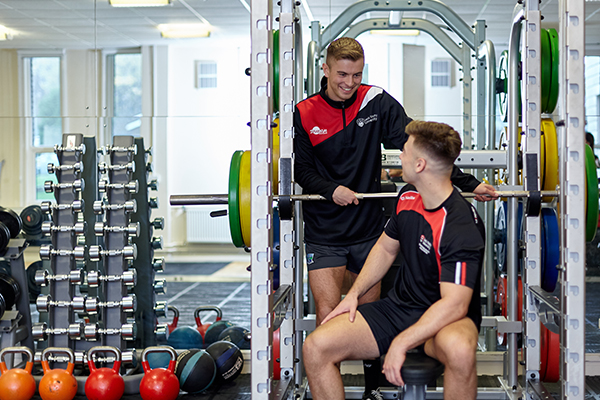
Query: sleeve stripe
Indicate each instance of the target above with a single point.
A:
(457, 271)
(460, 273)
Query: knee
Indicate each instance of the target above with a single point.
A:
(457, 352)
(312, 349)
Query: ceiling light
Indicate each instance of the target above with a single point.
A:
(5, 33)
(179, 31)
(139, 3)
(396, 32)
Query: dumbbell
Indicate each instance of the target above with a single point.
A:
(40, 331)
(153, 202)
(76, 168)
(128, 253)
(79, 228)
(129, 278)
(79, 357)
(130, 206)
(127, 304)
(43, 277)
(153, 185)
(114, 149)
(92, 332)
(158, 223)
(77, 185)
(47, 251)
(158, 264)
(76, 206)
(156, 242)
(132, 187)
(104, 168)
(160, 286)
(132, 230)
(44, 302)
(80, 148)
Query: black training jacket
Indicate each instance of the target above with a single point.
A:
(339, 143)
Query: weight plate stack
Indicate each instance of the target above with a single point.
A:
(12, 220)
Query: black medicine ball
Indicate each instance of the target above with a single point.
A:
(195, 370)
(228, 358)
(237, 336)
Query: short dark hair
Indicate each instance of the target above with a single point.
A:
(589, 138)
(345, 48)
(437, 139)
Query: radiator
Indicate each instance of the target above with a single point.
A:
(202, 228)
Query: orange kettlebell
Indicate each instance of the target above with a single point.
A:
(58, 384)
(16, 383)
(104, 383)
(173, 324)
(159, 383)
(202, 328)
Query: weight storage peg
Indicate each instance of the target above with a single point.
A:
(76, 168)
(43, 277)
(58, 384)
(158, 264)
(104, 383)
(128, 253)
(127, 304)
(130, 206)
(77, 185)
(79, 228)
(160, 286)
(161, 332)
(44, 302)
(113, 149)
(61, 149)
(153, 185)
(47, 251)
(76, 206)
(158, 223)
(17, 383)
(132, 229)
(92, 332)
(157, 242)
(132, 187)
(160, 308)
(153, 202)
(40, 331)
(159, 383)
(129, 278)
(104, 168)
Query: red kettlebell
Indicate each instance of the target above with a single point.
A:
(173, 324)
(104, 383)
(16, 383)
(203, 327)
(159, 383)
(58, 384)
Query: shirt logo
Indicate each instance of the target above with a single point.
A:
(310, 258)
(424, 245)
(318, 131)
(363, 121)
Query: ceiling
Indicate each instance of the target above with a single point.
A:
(58, 24)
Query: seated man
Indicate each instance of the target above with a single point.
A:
(435, 300)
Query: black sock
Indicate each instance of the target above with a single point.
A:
(372, 370)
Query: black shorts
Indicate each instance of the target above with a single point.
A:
(352, 256)
(386, 320)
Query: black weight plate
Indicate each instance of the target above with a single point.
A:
(9, 289)
(33, 217)
(34, 288)
(4, 237)
(12, 220)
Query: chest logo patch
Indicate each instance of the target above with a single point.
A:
(318, 131)
(424, 245)
(363, 121)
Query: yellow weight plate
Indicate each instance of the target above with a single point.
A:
(549, 159)
(276, 157)
(244, 194)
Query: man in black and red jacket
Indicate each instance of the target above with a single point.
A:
(337, 146)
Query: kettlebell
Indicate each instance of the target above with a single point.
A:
(203, 327)
(104, 383)
(16, 383)
(159, 383)
(58, 384)
(173, 324)
(213, 330)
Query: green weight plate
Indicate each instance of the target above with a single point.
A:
(591, 178)
(12, 220)
(546, 65)
(276, 71)
(550, 249)
(553, 95)
(234, 199)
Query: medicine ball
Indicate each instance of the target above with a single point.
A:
(214, 330)
(195, 370)
(185, 337)
(228, 358)
(237, 336)
(158, 359)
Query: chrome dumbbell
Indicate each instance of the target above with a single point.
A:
(47, 206)
(160, 286)
(77, 185)
(158, 264)
(127, 304)
(129, 278)
(157, 242)
(76, 168)
(44, 302)
(158, 223)
(132, 230)
(40, 331)
(104, 167)
(153, 202)
(131, 187)
(47, 252)
(130, 206)
(153, 185)
(43, 277)
(160, 308)
(79, 358)
(128, 253)
(79, 228)
(69, 149)
(92, 332)
(113, 149)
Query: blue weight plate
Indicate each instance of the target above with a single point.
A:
(550, 249)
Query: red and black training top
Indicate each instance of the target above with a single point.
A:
(445, 244)
(339, 143)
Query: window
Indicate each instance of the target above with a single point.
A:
(206, 74)
(125, 93)
(442, 73)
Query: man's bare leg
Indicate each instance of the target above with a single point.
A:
(326, 286)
